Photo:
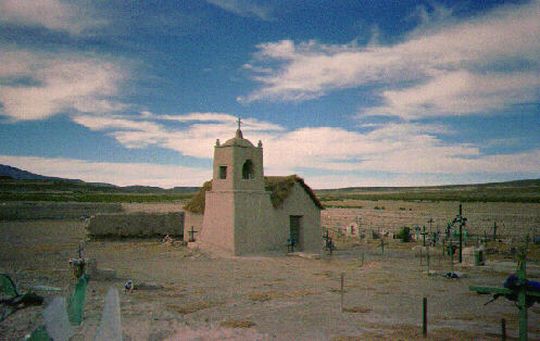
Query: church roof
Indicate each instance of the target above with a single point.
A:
(238, 140)
(279, 186)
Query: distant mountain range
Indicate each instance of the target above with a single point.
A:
(13, 173)
(9, 172)
(18, 184)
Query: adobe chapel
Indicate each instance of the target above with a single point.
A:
(242, 212)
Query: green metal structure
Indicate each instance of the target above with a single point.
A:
(520, 294)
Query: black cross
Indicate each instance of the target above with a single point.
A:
(192, 234)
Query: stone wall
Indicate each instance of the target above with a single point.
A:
(54, 210)
(136, 225)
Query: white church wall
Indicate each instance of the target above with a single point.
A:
(218, 221)
(192, 220)
(255, 224)
(299, 203)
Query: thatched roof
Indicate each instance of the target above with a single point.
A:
(196, 204)
(279, 186)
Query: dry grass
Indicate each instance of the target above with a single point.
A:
(337, 290)
(357, 310)
(263, 296)
(325, 274)
(192, 307)
(347, 338)
(237, 324)
(410, 332)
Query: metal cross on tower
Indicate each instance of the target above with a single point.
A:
(239, 122)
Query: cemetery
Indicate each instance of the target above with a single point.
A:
(262, 259)
(361, 290)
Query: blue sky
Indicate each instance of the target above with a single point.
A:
(343, 93)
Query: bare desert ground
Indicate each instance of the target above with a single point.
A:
(513, 219)
(194, 295)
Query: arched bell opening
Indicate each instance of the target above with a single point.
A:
(247, 170)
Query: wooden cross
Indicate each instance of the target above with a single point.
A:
(192, 234)
(328, 243)
(424, 233)
(430, 221)
(326, 237)
(521, 292)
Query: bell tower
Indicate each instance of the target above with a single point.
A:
(238, 165)
(237, 208)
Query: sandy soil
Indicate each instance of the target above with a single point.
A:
(153, 207)
(274, 297)
(513, 219)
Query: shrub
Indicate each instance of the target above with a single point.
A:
(405, 234)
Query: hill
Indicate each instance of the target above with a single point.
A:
(20, 185)
(7, 171)
(509, 191)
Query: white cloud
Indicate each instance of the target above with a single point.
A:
(59, 83)
(199, 117)
(115, 123)
(391, 155)
(497, 50)
(244, 8)
(195, 139)
(398, 148)
(460, 92)
(122, 174)
(52, 14)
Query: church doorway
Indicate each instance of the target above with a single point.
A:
(296, 232)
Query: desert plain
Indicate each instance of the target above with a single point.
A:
(189, 294)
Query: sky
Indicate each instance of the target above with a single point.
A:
(342, 93)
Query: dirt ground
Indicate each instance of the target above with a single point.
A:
(513, 219)
(275, 297)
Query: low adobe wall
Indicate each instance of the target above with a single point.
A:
(136, 225)
(54, 210)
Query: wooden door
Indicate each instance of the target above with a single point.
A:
(296, 232)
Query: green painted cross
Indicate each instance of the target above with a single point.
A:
(521, 292)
